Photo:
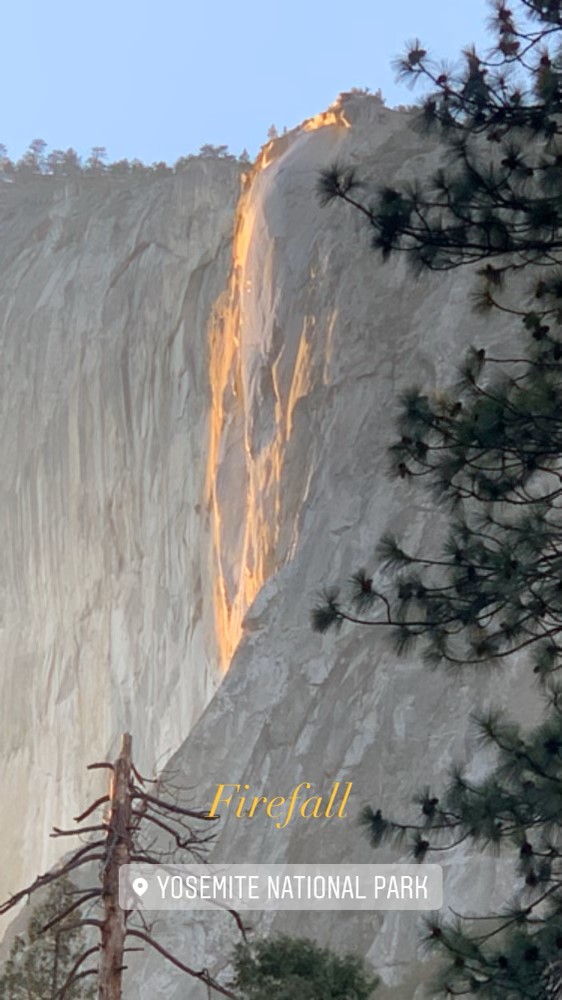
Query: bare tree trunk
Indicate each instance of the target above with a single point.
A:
(117, 853)
(113, 846)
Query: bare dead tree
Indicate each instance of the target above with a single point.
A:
(127, 832)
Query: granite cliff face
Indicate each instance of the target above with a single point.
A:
(198, 394)
(106, 294)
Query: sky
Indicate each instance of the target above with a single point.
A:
(156, 80)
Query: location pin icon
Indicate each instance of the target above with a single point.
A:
(140, 885)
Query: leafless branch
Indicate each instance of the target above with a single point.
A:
(203, 975)
(180, 841)
(57, 832)
(169, 807)
(80, 858)
(84, 898)
(70, 979)
(95, 805)
(139, 777)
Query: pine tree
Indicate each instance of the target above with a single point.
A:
(282, 967)
(42, 958)
(96, 160)
(491, 452)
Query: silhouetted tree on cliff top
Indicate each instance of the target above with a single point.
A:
(491, 451)
(36, 162)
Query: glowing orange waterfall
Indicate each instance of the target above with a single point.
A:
(243, 488)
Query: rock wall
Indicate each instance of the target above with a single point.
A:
(312, 345)
(197, 408)
(106, 289)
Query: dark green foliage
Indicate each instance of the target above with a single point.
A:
(500, 119)
(326, 614)
(67, 163)
(42, 959)
(492, 454)
(286, 968)
(490, 450)
(336, 182)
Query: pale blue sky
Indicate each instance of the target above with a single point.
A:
(155, 80)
